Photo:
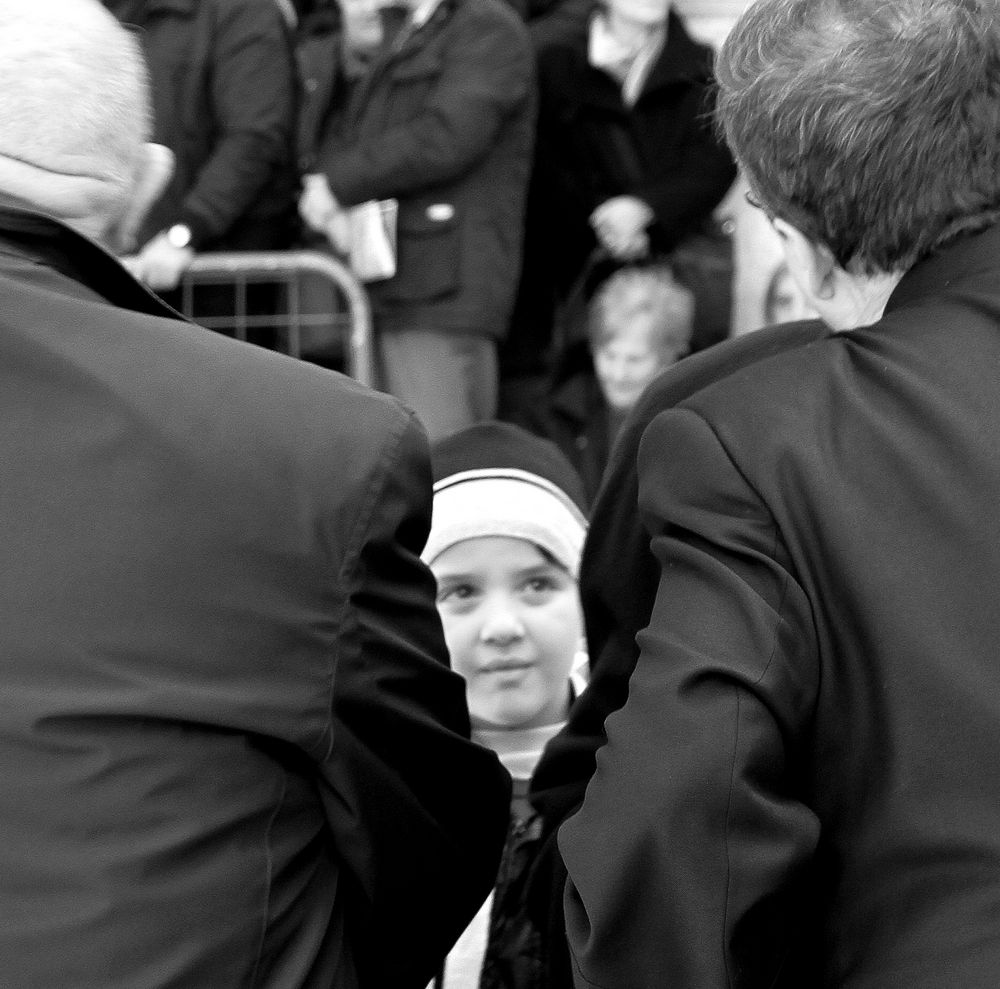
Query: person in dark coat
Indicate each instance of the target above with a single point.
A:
(618, 581)
(626, 157)
(223, 84)
(443, 122)
(808, 754)
(616, 123)
(228, 731)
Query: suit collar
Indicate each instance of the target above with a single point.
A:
(963, 259)
(38, 239)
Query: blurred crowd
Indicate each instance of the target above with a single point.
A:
(517, 156)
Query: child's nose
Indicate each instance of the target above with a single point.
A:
(502, 624)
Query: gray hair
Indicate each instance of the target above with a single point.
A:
(74, 107)
(649, 290)
(873, 126)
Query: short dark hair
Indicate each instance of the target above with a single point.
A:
(872, 126)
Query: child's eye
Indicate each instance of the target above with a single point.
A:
(456, 593)
(537, 587)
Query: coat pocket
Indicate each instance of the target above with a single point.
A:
(428, 255)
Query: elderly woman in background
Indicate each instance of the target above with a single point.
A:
(639, 322)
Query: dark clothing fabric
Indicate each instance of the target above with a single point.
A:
(223, 87)
(575, 416)
(554, 21)
(513, 958)
(320, 75)
(618, 581)
(592, 147)
(228, 734)
(443, 121)
(815, 713)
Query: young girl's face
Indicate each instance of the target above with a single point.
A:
(512, 622)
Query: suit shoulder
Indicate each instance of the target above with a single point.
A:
(329, 402)
(781, 366)
(702, 371)
(283, 404)
(775, 407)
(731, 357)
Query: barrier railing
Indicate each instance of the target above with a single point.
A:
(299, 280)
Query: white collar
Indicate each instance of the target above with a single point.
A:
(629, 63)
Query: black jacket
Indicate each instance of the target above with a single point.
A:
(443, 122)
(618, 581)
(223, 87)
(591, 146)
(815, 712)
(229, 739)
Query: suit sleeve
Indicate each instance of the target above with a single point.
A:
(487, 75)
(253, 96)
(618, 581)
(688, 859)
(418, 812)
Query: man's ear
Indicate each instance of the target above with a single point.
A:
(812, 266)
(156, 166)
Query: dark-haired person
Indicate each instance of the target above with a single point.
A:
(802, 788)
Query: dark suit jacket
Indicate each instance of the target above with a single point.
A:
(618, 581)
(813, 726)
(229, 740)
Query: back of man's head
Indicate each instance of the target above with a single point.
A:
(74, 110)
(872, 126)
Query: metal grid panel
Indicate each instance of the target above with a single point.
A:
(293, 276)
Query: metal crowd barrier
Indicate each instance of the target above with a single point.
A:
(318, 298)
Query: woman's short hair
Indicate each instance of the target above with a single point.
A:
(649, 290)
(872, 126)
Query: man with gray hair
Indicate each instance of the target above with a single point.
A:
(232, 752)
(803, 787)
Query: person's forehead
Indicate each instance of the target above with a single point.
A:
(490, 554)
(637, 332)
